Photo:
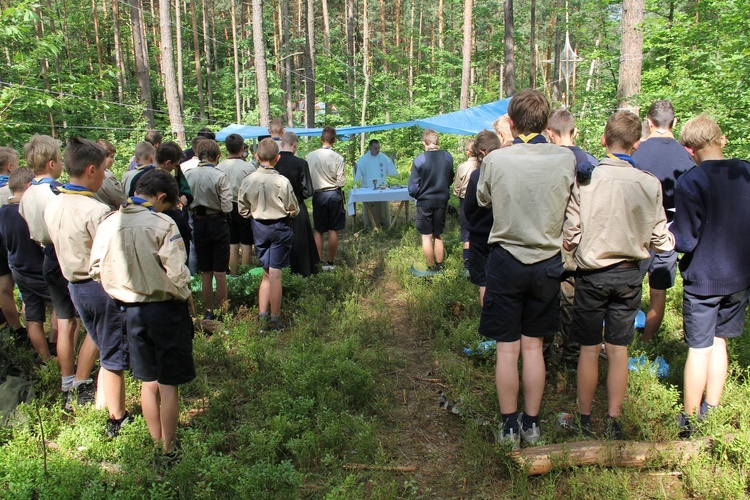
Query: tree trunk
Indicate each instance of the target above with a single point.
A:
(180, 72)
(532, 43)
(466, 67)
(365, 71)
(167, 65)
(215, 41)
(510, 58)
(119, 62)
(384, 50)
(631, 54)
(207, 53)
(141, 63)
(326, 28)
(261, 77)
(237, 104)
(288, 97)
(558, 48)
(441, 46)
(410, 79)
(96, 35)
(350, 56)
(310, 66)
(197, 54)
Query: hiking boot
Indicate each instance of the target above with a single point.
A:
(613, 429)
(570, 422)
(86, 393)
(115, 426)
(272, 326)
(686, 426)
(530, 435)
(174, 456)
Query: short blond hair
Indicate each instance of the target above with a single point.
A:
(40, 150)
(430, 137)
(502, 128)
(7, 155)
(700, 132)
(143, 151)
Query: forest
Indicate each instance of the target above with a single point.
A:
(369, 393)
(117, 68)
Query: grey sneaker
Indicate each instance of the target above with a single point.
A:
(531, 435)
(509, 436)
(86, 393)
(573, 423)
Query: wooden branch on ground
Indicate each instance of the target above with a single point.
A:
(542, 459)
(431, 380)
(393, 468)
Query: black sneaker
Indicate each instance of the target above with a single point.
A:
(86, 393)
(52, 346)
(573, 423)
(686, 426)
(613, 429)
(174, 456)
(209, 315)
(115, 426)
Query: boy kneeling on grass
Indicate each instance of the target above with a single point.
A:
(267, 197)
(612, 220)
(139, 256)
(710, 227)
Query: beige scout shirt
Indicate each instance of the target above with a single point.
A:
(528, 187)
(616, 216)
(327, 169)
(210, 188)
(5, 195)
(267, 195)
(72, 221)
(32, 207)
(111, 192)
(139, 256)
(236, 170)
(462, 176)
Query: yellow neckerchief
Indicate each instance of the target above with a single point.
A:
(141, 166)
(527, 137)
(205, 164)
(75, 189)
(267, 167)
(136, 200)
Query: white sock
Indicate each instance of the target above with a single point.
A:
(77, 383)
(67, 382)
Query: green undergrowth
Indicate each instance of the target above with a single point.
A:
(282, 414)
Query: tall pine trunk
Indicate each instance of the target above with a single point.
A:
(207, 53)
(631, 54)
(510, 58)
(141, 62)
(167, 66)
(237, 104)
(466, 66)
(261, 78)
(310, 66)
(288, 96)
(180, 70)
(119, 60)
(365, 70)
(197, 56)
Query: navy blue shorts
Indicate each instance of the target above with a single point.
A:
(240, 228)
(464, 222)
(211, 237)
(479, 251)
(4, 266)
(661, 268)
(34, 294)
(520, 298)
(273, 243)
(713, 316)
(58, 289)
(104, 320)
(611, 296)
(161, 342)
(430, 220)
(328, 211)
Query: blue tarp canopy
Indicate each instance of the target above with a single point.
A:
(464, 122)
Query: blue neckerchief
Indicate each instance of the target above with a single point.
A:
(75, 189)
(3, 180)
(532, 138)
(43, 180)
(266, 167)
(326, 147)
(205, 164)
(137, 200)
(623, 157)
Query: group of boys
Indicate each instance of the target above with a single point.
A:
(541, 214)
(122, 272)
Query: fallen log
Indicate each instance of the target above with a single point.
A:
(542, 459)
(394, 468)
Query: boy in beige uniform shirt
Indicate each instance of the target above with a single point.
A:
(42, 154)
(139, 256)
(111, 191)
(145, 160)
(268, 197)
(72, 220)
(612, 221)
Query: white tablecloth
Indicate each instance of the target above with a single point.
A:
(362, 195)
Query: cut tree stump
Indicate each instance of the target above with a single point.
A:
(542, 459)
(208, 326)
